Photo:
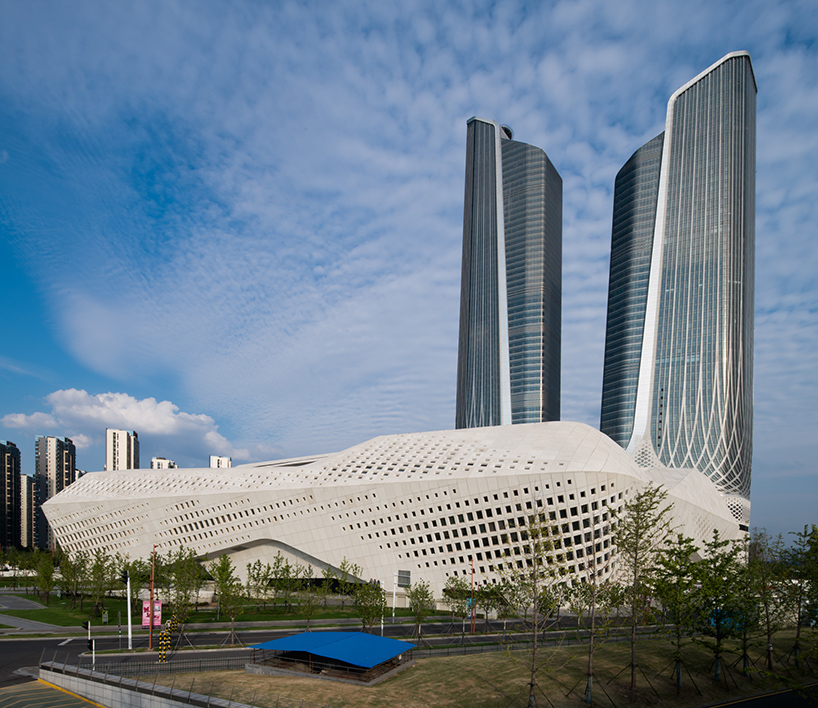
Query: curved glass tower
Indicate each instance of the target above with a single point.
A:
(678, 379)
(508, 368)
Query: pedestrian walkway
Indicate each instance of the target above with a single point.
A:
(36, 694)
(26, 625)
(14, 602)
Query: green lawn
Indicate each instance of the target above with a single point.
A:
(58, 613)
(501, 679)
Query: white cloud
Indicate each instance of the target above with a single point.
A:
(160, 424)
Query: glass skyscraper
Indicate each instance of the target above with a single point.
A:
(678, 377)
(508, 368)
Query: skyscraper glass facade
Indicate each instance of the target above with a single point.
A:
(511, 283)
(634, 217)
(691, 405)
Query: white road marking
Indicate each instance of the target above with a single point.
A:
(62, 644)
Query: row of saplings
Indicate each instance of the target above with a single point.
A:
(723, 591)
(726, 590)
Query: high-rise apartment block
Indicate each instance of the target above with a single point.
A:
(9, 494)
(508, 368)
(217, 461)
(28, 511)
(160, 463)
(678, 377)
(55, 466)
(121, 450)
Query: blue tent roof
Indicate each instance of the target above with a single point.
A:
(356, 648)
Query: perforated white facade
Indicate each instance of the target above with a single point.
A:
(431, 503)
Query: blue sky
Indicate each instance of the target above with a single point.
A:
(236, 227)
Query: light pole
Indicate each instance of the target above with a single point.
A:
(126, 578)
(394, 593)
(150, 611)
(473, 608)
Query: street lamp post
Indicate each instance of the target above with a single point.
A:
(394, 593)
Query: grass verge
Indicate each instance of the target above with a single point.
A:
(501, 679)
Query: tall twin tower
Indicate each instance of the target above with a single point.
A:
(678, 373)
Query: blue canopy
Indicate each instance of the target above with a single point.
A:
(356, 648)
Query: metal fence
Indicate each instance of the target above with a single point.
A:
(177, 665)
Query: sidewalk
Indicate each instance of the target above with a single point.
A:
(12, 602)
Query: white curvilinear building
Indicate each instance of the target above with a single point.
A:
(435, 504)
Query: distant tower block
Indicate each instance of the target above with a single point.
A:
(55, 467)
(10, 500)
(121, 450)
(160, 463)
(220, 461)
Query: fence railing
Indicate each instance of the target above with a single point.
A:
(177, 665)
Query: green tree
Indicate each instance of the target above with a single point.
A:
(74, 569)
(801, 588)
(532, 589)
(100, 579)
(456, 594)
(348, 577)
(720, 587)
(44, 575)
(229, 591)
(326, 586)
(641, 530)
(14, 558)
(422, 602)
(675, 587)
(310, 596)
(188, 577)
(258, 578)
(370, 602)
(288, 582)
(766, 579)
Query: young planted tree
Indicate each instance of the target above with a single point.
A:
(422, 602)
(674, 587)
(532, 589)
(309, 595)
(74, 569)
(348, 577)
(14, 559)
(719, 594)
(259, 576)
(642, 528)
(326, 586)
(766, 579)
(456, 594)
(370, 602)
(229, 591)
(595, 603)
(801, 588)
(43, 575)
(592, 600)
(288, 583)
(188, 577)
(100, 579)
